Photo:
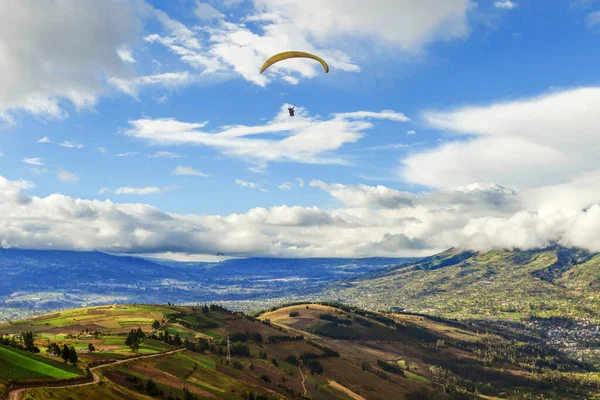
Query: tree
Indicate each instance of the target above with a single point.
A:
(177, 340)
(155, 324)
(28, 341)
(73, 356)
(91, 348)
(66, 353)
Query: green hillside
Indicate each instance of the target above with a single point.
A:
(507, 285)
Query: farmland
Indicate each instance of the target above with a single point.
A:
(286, 352)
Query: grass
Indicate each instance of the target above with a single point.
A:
(416, 377)
(36, 364)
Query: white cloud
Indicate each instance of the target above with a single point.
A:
(250, 185)
(45, 139)
(301, 139)
(363, 195)
(142, 190)
(181, 170)
(286, 186)
(102, 149)
(205, 11)
(593, 19)
(125, 54)
(505, 4)
(534, 142)
(300, 182)
(411, 132)
(168, 79)
(127, 154)
(225, 46)
(71, 145)
(66, 176)
(370, 221)
(165, 154)
(33, 161)
(61, 52)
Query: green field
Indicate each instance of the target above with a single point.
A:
(37, 365)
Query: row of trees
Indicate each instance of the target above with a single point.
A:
(25, 341)
(68, 354)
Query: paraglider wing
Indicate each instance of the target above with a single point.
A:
(220, 254)
(292, 54)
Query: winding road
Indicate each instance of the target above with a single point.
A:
(17, 393)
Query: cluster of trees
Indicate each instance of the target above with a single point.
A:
(389, 367)
(367, 367)
(173, 340)
(68, 354)
(25, 342)
(327, 352)
(256, 396)
(200, 346)
(333, 318)
(245, 337)
(310, 361)
(293, 314)
(284, 338)
(134, 339)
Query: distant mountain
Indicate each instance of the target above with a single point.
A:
(510, 285)
(35, 281)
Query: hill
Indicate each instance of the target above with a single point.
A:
(310, 351)
(34, 282)
(550, 292)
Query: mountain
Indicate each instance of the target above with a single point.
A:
(37, 281)
(302, 351)
(549, 292)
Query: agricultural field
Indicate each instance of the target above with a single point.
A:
(19, 365)
(304, 351)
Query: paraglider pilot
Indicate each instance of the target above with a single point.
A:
(291, 110)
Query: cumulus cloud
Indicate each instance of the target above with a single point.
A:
(286, 186)
(189, 171)
(127, 154)
(371, 221)
(546, 140)
(45, 139)
(63, 53)
(66, 176)
(33, 161)
(300, 182)
(304, 139)
(411, 132)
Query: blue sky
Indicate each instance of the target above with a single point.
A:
(431, 107)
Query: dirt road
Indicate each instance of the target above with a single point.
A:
(17, 393)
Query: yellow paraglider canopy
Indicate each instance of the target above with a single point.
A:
(292, 54)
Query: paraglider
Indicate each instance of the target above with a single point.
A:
(220, 254)
(292, 54)
(286, 55)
